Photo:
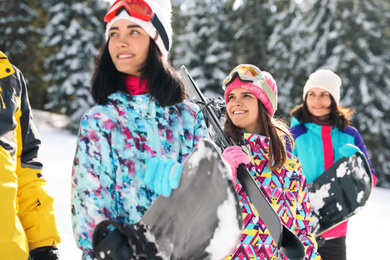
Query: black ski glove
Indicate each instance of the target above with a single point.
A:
(44, 253)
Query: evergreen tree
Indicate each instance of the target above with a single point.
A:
(351, 37)
(74, 33)
(179, 21)
(21, 24)
(284, 53)
(202, 45)
(251, 29)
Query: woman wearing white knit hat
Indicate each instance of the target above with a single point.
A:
(322, 133)
(141, 120)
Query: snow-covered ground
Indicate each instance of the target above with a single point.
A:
(367, 235)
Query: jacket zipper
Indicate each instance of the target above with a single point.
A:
(155, 128)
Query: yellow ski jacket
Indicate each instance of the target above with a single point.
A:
(26, 210)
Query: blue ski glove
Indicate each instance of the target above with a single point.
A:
(348, 150)
(162, 175)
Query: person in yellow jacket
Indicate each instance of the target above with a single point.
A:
(29, 229)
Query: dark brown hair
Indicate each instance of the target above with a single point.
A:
(273, 128)
(163, 82)
(339, 116)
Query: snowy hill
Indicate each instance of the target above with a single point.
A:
(367, 237)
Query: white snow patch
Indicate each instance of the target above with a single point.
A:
(360, 196)
(360, 172)
(194, 162)
(316, 197)
(339, 207)
(195, 158)
(342, 170)
(151, 238)
(358, 209)
(228, 233)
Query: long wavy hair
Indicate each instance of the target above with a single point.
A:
(339, 116)
(163, 82)
(275, 129)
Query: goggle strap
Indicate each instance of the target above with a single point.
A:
(270, 94)
(122, 8)
(161, 30)
(237, 75)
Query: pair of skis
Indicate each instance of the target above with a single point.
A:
(287, 242)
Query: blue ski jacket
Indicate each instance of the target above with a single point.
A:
(312, 150)
(113, 143)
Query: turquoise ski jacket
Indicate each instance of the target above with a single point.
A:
(113, 143)
(312, 150)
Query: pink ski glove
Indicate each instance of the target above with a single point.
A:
(235, 156)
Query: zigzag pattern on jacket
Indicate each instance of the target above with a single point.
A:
(286, 191)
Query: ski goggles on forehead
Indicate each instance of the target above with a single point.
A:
(141, 10)
(251, 74)
(136, 8)
(246, 73)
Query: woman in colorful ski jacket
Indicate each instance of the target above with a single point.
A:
(29, 224)
(251, 101)
(323, 134)
(140, 114)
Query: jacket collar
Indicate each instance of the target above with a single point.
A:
(6, 68)
(257, 143)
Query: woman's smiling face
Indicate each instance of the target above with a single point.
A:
(243, 109)
(318, 103)
(128, 46)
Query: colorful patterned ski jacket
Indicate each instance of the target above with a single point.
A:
(27, 210)
(314, 144)
(114, 141)
(286, 190)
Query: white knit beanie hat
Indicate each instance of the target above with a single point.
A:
(163, 10)
(325, 79)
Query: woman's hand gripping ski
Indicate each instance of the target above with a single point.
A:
(162, 175)
(235, 156)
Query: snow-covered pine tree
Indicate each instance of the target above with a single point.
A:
(203, 44)
(351, 37)
(16, 29)
(179, 21)
(284, 53)
(75, 32)
(21, 24)
(249, 24)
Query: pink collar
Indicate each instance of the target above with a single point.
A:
(134, 87)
